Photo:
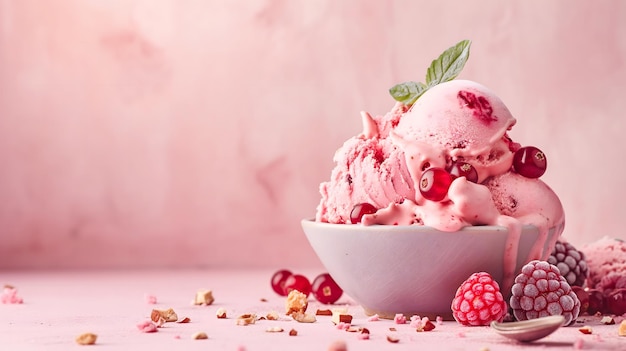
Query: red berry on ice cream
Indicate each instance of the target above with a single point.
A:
(530, 162)
(359, 210)
(478, 301)
(278, 281)
(434, 183)
(540, 290)
(325, 289)
(297, 282)
(571, 263)
(464, 169)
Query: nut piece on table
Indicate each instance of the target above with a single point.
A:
(86, 339)
(304, 317)
(204, 297)
(167, 315)
(199, 336)
(272, 316)
(245, 319)
(340, 315)
(296, 303)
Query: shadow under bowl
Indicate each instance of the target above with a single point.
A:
(416, 270)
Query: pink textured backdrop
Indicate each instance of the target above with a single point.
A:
(140, 133)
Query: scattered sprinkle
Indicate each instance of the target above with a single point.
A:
(150, 299)
(147, 327)
(9, 295)
(399, 319)
(373, 318)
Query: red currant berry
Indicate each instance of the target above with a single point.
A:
(434, 183)
(359, 210)
(464, 169)
(297, 282)
(530, 162)
(325, 289)
(278, 281)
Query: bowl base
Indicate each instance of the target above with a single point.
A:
(447, 316)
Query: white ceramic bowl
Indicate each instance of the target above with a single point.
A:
(414, 269)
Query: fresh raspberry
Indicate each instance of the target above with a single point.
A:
(540, 290)
(570, 262)
(478, 301)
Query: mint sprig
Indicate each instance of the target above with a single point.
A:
(443, 69)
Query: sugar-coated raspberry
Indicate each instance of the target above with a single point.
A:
(478, 301)
(540, 290)
(570, 262)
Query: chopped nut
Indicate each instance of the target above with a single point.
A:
(274, 329)
(246, 319)
(184, 320)
(607, 320)
(427, 326)
(365, 331)
(296, 303)
(199, 336)
(392, 339)
(157, 318)
(221, 313)
(86, 339)
(585, 330)
(263, 299)
(341, 317)
(293, 332)
(352, 329)
(272, 316)
(392, 329)
(204, 297)
(621, 330)
(323, 312)
(168, 315)
(304, 317)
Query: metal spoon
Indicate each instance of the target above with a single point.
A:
(530, 330)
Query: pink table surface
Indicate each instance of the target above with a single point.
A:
(58, 306)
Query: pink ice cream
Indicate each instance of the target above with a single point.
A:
(455, 121)
(606, 259)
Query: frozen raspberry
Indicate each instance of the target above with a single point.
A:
(540, 290)
(571, 263)
(478, 301)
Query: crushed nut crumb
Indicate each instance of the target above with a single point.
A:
(199, 336)
(204, 297)
(86, 339)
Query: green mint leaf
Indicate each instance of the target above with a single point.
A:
(408, 92)
(449, 64)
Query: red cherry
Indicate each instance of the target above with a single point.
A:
(583, 296)
(325, 289)
(615, 302)
(530, 162)
(298, 282)
(359, 210)
(434, 183)
(596, 301)
(464, 169)
(278, 281)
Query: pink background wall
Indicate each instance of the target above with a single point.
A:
(138, 133)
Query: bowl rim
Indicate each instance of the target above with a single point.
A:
(348, 227)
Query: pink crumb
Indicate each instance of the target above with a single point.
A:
(150, 299)
(9, 296)
(177, 337)
(363, 336)
(373, 318)
(578, 344)
(338, 345)
(439, 320)
(147, 327)
(343, 326)
(399, 319)
(460, 334)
